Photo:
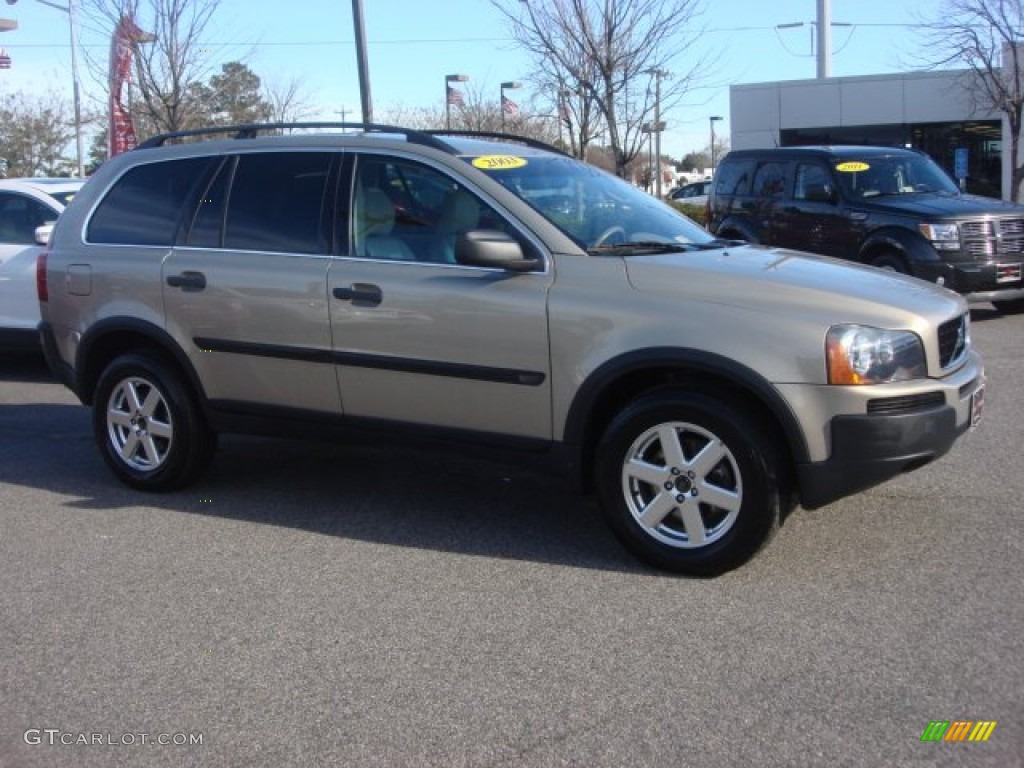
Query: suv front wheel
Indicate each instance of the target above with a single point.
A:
(687, 483)
(149, 429)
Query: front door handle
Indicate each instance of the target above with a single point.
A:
(188, 281)
(360, 294)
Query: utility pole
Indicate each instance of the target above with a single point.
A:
(364, 67)
(658, 126)
(824, 38)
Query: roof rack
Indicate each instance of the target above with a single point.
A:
(251, 130)
(535, 143)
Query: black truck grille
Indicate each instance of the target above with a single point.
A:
(992, 237)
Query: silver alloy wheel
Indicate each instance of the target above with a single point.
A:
(139, 424)
(682, 485)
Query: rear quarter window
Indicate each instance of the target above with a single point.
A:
(733, 177)
(144, 206)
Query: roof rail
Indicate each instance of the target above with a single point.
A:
(535, 143)
(250, 130)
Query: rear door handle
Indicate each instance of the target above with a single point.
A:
(360, 294)
(188, 281)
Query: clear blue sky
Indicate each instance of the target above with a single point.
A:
(413, 44)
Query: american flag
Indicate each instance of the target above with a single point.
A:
(455, 97)
(508, 106)
(5, 59)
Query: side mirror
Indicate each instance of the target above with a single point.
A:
(492, 248)
(819, 193)
(43, 233)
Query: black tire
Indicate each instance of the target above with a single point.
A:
(711, 511)
(891, 261)
(1009, 306)
(148, 426)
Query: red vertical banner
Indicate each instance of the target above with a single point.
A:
(121, 131)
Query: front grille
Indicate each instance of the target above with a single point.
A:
(987, 238)
(952, 340)
(906, 404)
(976, 229)
(1011, 226)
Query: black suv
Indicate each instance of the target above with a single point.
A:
(889, 207)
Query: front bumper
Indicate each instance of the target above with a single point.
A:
(976, 282)
(870, 449)
(871, 434)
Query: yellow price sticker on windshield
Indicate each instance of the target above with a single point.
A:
(498, 162)
(852, 167)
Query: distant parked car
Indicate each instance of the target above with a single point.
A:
(28, 210)
(692, 194)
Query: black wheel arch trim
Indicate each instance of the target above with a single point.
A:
(109, 326)
(907, 243)
(738, 224)
(689, 360)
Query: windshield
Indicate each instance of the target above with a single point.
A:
(903, 174)
(599, 211)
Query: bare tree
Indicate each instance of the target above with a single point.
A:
(34, 133)
(168, 67)
(288, 100)
(985, 36)
(477, 113)
(608, 51)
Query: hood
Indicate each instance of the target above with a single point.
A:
(761, 278)
(935, 205)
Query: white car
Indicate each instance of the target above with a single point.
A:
(28, 210)
(692, 194)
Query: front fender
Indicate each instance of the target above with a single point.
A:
(610, 375)
(908, 243)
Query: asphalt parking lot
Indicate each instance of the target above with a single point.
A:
(312, 604)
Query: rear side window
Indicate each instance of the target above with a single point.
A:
(144, 206)
(770, 180)
(733, 177)
(809, 178)
(277, 203)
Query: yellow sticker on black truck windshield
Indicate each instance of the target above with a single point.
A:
(852, 167)
(498, 162)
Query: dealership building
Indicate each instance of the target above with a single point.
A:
(935, 111)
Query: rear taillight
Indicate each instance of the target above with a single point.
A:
(42, 289)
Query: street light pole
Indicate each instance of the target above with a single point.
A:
(510, 85)
(712, 120)
(448, 80)
(70, 11)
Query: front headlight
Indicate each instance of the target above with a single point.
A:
(943, 236)
(859, 354)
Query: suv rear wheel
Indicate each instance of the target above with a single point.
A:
(148, 427)
(687, 483)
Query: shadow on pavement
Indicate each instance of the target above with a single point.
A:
(379, 492)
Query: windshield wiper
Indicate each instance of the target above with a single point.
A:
(643, 246)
